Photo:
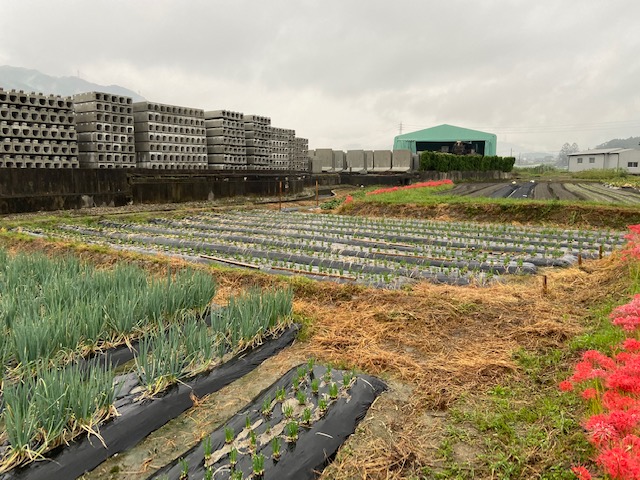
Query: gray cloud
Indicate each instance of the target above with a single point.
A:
(346, 73)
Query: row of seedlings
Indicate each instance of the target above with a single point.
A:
(287, 432)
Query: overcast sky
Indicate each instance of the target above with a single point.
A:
(345, 73)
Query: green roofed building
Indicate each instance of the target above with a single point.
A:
(448, 139)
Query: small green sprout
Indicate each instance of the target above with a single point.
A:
(292, 431)
(228, 434)
(296, 383)
(281, 394)
(287, 411)
(208, 474)
(207, 448)
(302, 398)
(275, 447)
(311, 363)
(327, 374)
(236, 475)
(233, 457)
(253, 440)
(266, 407)
(184, 469)
(247, 422)
(315, 386)
(258, 464)
(322, 405)
(306, 416)
(302, 372)
(333, 391)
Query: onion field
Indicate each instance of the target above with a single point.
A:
(379, 252)
(61, 319)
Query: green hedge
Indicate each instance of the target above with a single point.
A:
(446, 162)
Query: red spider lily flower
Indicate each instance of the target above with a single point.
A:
(566, 386)
(581, 472)
(349, 199)
(605, 427)
(599, 358)
(631, 345)
(589, 393)
(612, 400)
(619, 463)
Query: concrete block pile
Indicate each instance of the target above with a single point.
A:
(104, 123)
(226, 144)
(282, 148)
(300, 161)
(169, 137)
(257, 131)
(37, 131)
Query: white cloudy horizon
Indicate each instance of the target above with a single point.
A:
(345, 74)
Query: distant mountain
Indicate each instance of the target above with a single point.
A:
(16, 78)
(631, 142)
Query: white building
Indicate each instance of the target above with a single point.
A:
(605, 158)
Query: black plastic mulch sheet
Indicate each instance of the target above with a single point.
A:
(139, 419)
(305, 459)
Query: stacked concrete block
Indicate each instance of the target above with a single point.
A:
(105, 130)
(368, 160)
(356, 161)
(381, 160)
(401, 160)
(37, 131)
(169, 137)
(324, 158)
(300, 161)
(339, 161)
(282, 148)
(257, 131)
(226, 144)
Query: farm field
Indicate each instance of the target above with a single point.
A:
(469, 341)
(550, 190)
(386, 253)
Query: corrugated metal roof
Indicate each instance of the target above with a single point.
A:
(447, 133)
(599, 151)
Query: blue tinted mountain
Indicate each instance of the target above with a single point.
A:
(17, 78)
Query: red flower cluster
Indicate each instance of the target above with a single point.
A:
(430, 184)
(349, 199)
(612, 388)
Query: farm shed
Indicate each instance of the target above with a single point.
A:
(444, 138)
(626, 158)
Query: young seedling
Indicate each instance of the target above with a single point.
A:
(281, 394)
(306, 416)
(228, 434)
(333, 391)
(207, 449)
(315, 385)
(208, 474)
(296, 383)
(302, 398)
(312, 361)
(327, 374)
(233, 457)
(253, 440)
(257, 462)
(292, 431)
(287, 411)
(302, 372)
(346, 380)
(266, 407)
(322, 405)
(236, 475)
(184, 469)
(247, 423)
(276, 443)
